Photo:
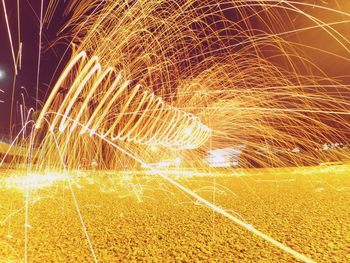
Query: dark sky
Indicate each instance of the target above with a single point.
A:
(29, 29)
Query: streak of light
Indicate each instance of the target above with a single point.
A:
(74, 37)
(10, 37)
(144, 119)
(14, 141)
(210, 205)
(215, 208)
(26, 225)
(76, 204)
(39, 54)
(1, 91)
(20, 55)
(19, 27)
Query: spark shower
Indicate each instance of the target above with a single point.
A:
(154, 83)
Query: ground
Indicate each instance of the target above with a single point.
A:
(139, 217)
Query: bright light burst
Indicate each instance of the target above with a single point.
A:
(157, 84)
(32, 181)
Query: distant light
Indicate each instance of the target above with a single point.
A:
(225, 157)
(2, 74)
(33, 181)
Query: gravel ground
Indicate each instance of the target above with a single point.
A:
(144, 218)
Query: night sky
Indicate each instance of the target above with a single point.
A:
(29, 15)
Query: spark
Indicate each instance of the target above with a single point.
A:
(39, 54)
(10, 37)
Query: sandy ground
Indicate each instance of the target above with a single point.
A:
(144, 218)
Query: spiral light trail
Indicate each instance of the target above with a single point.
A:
(123, 112)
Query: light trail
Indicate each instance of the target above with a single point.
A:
(26, 225)
(260, 109)
(19, 28)
(39, 53)
(76, 203)
(14, 61)
(74, 37)
(10, 37)
(215, 208)
(210, 205)
(142, 117)
(29, 186)
(232, 81)
(14, 141)
(241, 223)
(1, 91)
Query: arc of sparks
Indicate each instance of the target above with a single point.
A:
(121, 112)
